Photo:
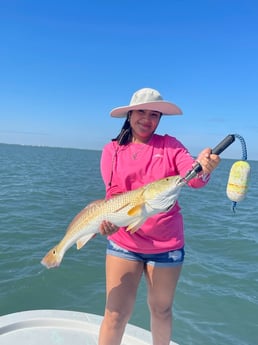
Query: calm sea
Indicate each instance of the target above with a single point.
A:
(42, 189)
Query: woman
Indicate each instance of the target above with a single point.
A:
(138, 156)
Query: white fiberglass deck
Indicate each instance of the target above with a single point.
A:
(60, 327)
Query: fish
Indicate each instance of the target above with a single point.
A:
(129, 209)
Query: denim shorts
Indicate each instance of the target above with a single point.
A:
(166, 259)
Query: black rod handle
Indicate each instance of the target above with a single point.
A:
(228, 140)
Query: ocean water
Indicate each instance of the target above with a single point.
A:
(42, 189)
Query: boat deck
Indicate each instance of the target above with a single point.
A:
(60, 327)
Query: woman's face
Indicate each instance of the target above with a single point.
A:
(143, 124)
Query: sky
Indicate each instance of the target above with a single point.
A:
(65, 64)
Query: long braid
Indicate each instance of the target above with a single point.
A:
(125, 135)
(123, 138)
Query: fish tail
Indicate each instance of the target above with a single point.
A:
(52, 259)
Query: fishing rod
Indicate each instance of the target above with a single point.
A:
(239, 173)
(197, 168)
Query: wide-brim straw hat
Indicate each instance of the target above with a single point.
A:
(147, 99)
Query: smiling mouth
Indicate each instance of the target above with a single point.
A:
(145, 127)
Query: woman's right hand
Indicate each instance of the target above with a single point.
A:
(107, 228)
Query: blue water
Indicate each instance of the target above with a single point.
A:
(42, 189)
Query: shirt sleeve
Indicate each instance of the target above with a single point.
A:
(185, 162)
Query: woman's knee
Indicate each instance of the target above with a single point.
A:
(117, 319)
(161, 312)
(162, 309)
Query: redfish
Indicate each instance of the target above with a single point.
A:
(129, 209)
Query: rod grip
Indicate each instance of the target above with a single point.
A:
(228, 140)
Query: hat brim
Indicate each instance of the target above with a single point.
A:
(166, 108)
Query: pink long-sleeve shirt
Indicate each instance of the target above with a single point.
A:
(131, 166)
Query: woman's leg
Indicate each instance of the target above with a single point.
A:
(161, 282)
(122, 280)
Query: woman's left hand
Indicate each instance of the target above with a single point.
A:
(107, 228)
(208, 160)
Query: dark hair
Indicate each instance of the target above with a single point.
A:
(125, 135)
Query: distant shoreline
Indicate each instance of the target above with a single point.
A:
(50, 147)
(96, 150)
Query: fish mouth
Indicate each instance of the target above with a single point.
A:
(170, 206)
(181, 182)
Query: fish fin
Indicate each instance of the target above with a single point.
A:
(120, 208)
(83, 240)
(134, 211)
(89, 208)
(133, 227)
(94, 203)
